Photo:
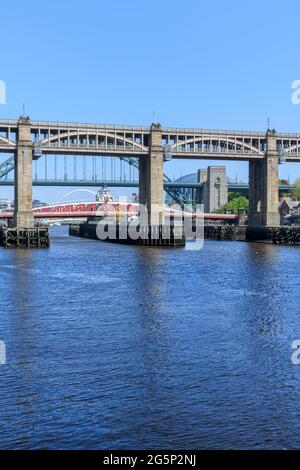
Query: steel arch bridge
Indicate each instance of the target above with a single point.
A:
(148, 147)
(130, 143)
(134, 141)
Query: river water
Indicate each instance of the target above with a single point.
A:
(114, 346)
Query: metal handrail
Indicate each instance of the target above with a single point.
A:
(168, 130)
(79, 125)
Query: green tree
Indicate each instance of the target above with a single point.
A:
(296, 190)
(236, 203)
(233, 196)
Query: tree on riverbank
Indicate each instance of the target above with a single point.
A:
(234, 204)
(296, 190)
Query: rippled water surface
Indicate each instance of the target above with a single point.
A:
(112, 346)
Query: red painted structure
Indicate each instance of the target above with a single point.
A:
(89, 209)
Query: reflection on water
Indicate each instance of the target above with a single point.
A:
(128, 347)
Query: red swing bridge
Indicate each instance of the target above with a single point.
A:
(69, 211)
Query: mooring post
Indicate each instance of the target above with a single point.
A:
(23, 214)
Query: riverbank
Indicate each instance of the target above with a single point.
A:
(274, 235)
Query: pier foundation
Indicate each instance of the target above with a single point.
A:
(15, 237)
(155, 235)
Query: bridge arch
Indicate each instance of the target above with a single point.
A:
(292, 149)
(81, 134)
(221, 144)
(5, 140)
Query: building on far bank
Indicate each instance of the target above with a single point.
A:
(37, 203)
(288, 209)
(213, 191)
(5, 204)
(295, 216)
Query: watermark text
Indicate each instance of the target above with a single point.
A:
(296, 93)
(125, 222)
(2, 353)
(296, 353)
(2, 92)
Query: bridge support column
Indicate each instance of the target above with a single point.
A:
(255, 192)
(271, 189)
(263, 186)
(151, 178)
(23, 215)
(143, 179)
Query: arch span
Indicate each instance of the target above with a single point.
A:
(222, 143)
(60, 138)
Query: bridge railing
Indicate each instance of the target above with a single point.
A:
(85, 126)
(217, 149)
(95, 146)
(209, 132)
(8, 144)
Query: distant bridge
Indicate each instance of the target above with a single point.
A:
(242, 188)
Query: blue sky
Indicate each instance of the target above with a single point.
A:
(226, 65)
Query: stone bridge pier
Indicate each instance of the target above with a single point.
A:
(263, 186)
(23, 215)
(151, 177)
(23, 233)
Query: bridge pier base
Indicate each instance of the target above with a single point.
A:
(23, 214)
(263, 186)
(35, 237)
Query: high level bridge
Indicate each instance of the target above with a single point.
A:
(151, 146)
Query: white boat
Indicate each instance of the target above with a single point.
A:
(104, 195)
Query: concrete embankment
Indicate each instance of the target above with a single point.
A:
(275, 235)
(15, 237)
(224, 232)
(158, 235)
